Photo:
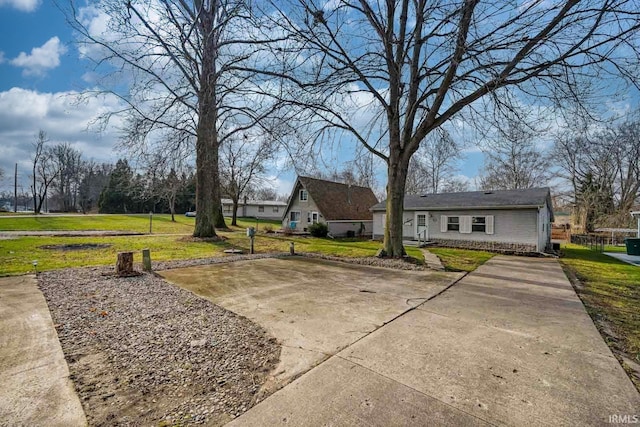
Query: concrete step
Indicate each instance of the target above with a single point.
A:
(416, 243)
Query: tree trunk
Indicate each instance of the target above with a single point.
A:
(124, 264)
(207, 185)
(396, 179)
(234, 215)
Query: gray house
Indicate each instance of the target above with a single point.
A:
(346, 209)
(511, 220)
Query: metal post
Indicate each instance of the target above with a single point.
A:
(146, 260)
(150, 222)
(251, 247)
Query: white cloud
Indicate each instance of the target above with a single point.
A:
(41, 59)
(22, 5)
(23, 112)
(2, 59)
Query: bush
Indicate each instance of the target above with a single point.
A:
(268, 228)
(319, 229)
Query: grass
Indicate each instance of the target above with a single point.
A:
(461, 259)
(139, 223)
(611, 293)
(17, 255)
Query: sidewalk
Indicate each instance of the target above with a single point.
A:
(36, 390)
(509, 344)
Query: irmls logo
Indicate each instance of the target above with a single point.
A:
(624, 419)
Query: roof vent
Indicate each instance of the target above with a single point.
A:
(488, 192)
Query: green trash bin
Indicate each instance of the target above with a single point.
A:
(633, 246)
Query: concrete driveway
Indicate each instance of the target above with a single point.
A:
(509, 344)
(315, 308)
(36, 389)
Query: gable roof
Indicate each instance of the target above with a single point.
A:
(496, 199)
(337, 201)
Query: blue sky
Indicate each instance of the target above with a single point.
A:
(39, 68)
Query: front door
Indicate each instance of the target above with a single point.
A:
(422, 227)
(314, 217)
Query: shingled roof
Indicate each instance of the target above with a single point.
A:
(337, 201)
(497, 199)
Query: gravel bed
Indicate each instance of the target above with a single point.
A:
(395, 263)
(398, 264)
(144, 352)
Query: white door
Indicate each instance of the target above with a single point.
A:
(422, 226)
(314, 217)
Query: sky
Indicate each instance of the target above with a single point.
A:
(41, 70)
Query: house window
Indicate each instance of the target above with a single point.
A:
(294, 216)
(304, 196)
(260, 208)
(308, 216)
(453, 223)
(479, 223)
(422, 220)
(275, 209)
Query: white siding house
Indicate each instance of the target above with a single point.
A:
(264, 209)
(508, 220)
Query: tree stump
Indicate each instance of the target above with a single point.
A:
(124, 265)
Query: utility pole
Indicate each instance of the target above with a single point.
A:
(15, 190)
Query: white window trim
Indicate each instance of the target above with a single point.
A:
(306, 193)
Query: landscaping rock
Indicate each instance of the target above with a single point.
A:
(144, 352)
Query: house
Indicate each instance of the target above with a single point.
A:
(344, 208)
(264, 209)
(505, 220)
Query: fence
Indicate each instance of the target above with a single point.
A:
(592, 241)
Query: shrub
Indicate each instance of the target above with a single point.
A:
(319, 229)
(287, 231)
(268, 228)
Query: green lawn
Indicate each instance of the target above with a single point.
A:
(461, 259)
(139, 223)
(17, 255)
(611, 294)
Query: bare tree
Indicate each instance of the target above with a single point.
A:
(189, 68)
(390, 73)
(70, 165)
(242, 165)
(601, 166)
(512, 160)
(38, 151)
(46, 170)
(433, 165)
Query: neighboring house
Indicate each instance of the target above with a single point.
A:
(265, 209)
(509, 220)
(344, 208)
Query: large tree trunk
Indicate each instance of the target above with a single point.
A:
(396, 179)
(207, 183)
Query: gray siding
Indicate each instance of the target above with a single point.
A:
(253, 211)
(304, 207)
(513, 226)
(510, 226)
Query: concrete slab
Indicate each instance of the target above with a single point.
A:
(36, 389)
(354, 396)
(314, 307)
(629, 259)
(510, 351)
